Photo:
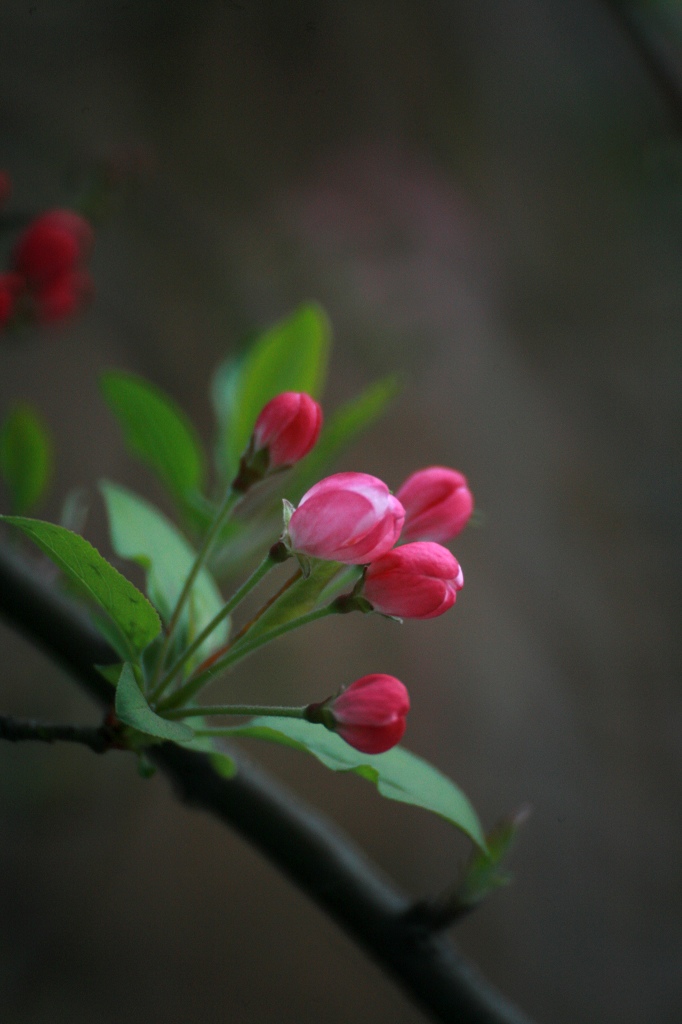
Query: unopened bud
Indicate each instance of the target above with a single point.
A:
(288, 428)
(369, 714)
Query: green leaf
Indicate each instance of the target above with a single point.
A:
(141, 533)
(95, 579)
(344, 426)
(225, 394)
(110, 672)
(483, 874)
(398, 774)
(132, 709)
(291, 356)
(25, 457)
(158, 432)
(146, 769)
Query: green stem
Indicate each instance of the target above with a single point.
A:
(234, 709)
(246, 647)
(231, 498)
(256, 576)
(229, 502)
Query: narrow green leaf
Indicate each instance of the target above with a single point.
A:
(146, 769)
(95, 579)
(291, 356)
(158, 432)
(398, 774)
(132, 709)
(25, 457)
(141, 533)
(111, 673)
(225, 393)
(483, 873)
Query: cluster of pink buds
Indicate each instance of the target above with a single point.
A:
(50, 257)
(48, 280)
(353, 518)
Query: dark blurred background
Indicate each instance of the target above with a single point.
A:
(486, 198)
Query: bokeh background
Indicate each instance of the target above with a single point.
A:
(486, 198)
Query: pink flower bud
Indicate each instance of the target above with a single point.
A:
(437, 502)
(369, 715)
(62, 297)
(288, 426)
(415, 581)
(52, 245)
(347, 517)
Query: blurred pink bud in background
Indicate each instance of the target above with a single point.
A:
(52, 245)
(63, 296)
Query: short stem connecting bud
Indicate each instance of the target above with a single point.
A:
(252, 469)
(320, 714)
(279, 552)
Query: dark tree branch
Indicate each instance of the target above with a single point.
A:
(308, 849)
(15, 729)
